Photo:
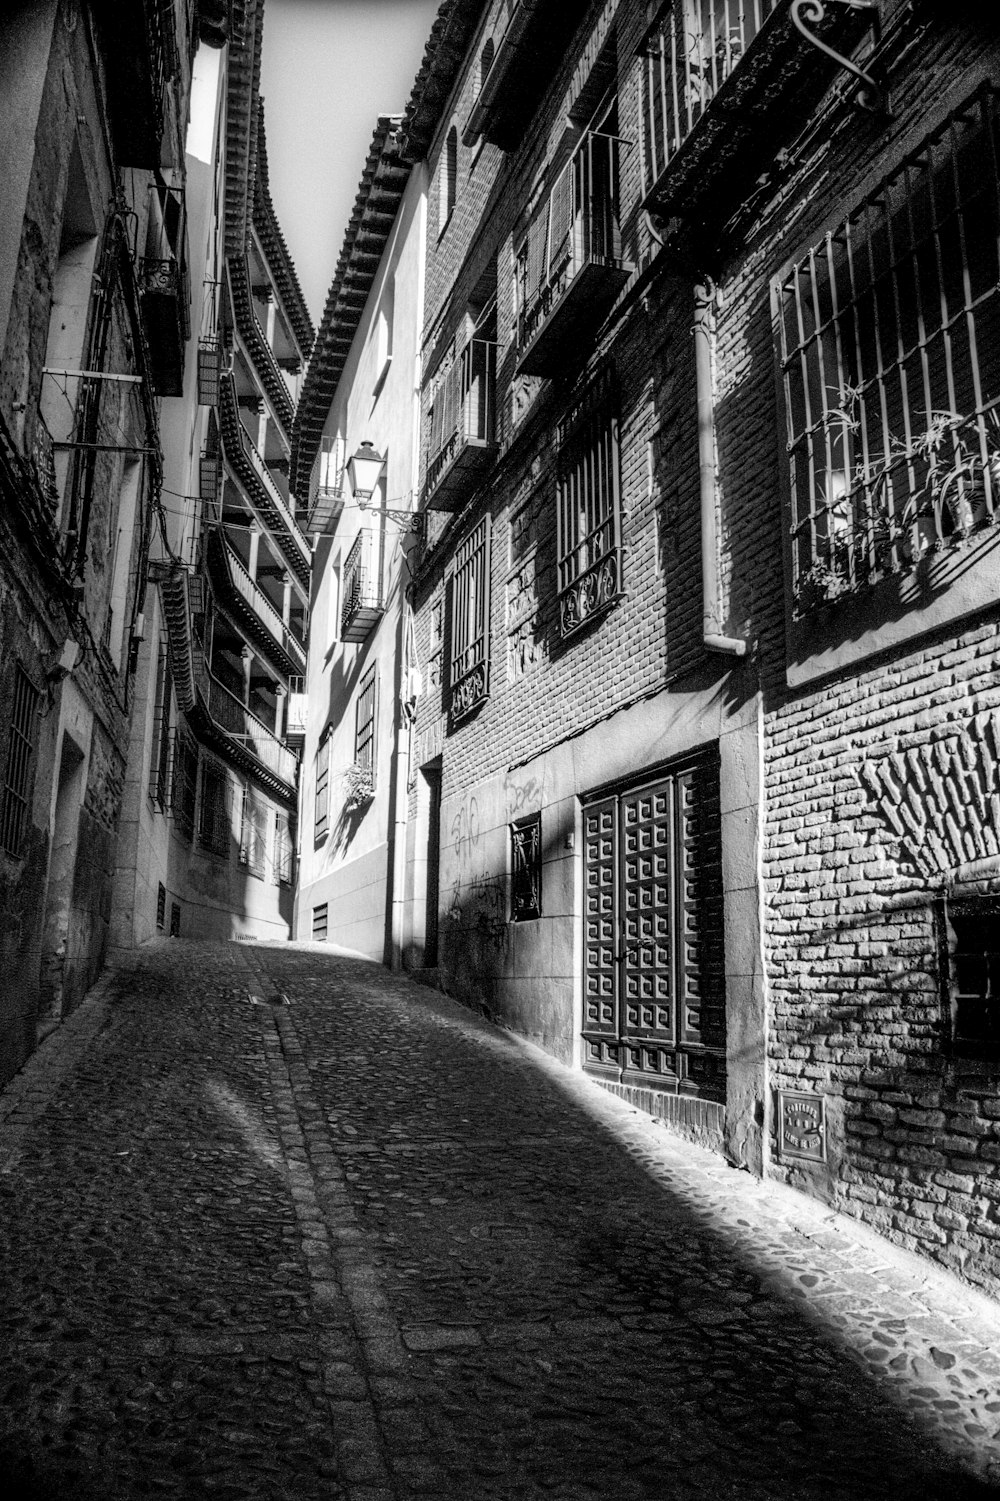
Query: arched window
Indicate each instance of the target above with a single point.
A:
(449, 179)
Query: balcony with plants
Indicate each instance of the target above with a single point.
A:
(362, 600)
(462, 427)
(721, 81)
(570, 267)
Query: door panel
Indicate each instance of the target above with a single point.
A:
(654, 1005)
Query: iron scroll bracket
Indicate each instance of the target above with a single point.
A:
(871, 95)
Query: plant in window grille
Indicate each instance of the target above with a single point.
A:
(588, 499)
(20, 749)
(360, 781)
(469, 618)
(889, 334)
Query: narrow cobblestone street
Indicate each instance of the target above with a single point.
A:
(278, 1224)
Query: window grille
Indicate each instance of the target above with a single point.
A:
(159, 770)
(526, 868)
(253, 833)
(689, 53)
(361, 597)
(330, 467)
(20, 749)
(969, 935)
(365, 721)
(319, 922)
(184, 781)
(175, 920)
(161, 905)
(576, 225)
(448, 183)
(469, 617)
(209, 370)
(889, 334)
(214, 825)
(321, 817)
(283, 850)
(588, 494)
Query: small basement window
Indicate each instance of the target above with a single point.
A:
(970, 974)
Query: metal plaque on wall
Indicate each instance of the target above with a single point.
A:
(801, 1126)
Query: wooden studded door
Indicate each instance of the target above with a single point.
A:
(654, 978)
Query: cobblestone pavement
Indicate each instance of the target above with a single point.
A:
(348, 1240)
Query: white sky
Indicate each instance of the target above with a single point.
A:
(329, 69)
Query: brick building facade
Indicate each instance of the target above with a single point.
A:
(704, 775)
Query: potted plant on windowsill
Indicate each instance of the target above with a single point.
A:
(359, 786)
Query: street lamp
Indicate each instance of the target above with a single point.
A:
(364, 470)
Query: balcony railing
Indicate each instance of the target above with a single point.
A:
(362, 597)
(261, 607)
(748, 56)
(570, 268)
(253, 473)
(165, 293)
(233, 716)
(463, 441)
(140, 51)
(531, 42)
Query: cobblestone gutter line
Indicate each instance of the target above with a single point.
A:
(359, 1340)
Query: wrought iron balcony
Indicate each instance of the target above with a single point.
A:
(362, 604)
(254, 608)
(517, 73)
(723, 78)
(258, 481)
(569, 268)
(140, 54)
(164, 299)
(463, 439)
(164, 290)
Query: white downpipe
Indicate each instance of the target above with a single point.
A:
(712, 632)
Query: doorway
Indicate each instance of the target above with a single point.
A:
(57, 938)
(654, 1009)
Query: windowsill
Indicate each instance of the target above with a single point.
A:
(943, 588)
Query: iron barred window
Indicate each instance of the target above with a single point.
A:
(283, 850)
(159, 771)
(469, 618)
(321, 814)
(213, 825)
(969, 940)
(589, 507)
(253, 833)
(20, 749)
(184, 781)
(526, 868)
(889, 332)
(364, 723)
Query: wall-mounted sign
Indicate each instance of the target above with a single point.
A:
(801, 1126)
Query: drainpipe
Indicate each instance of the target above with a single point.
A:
(704, 328)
